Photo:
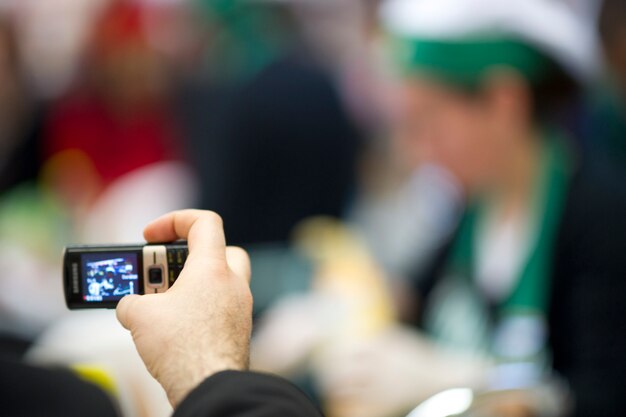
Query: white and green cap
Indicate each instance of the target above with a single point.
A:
(459, 41)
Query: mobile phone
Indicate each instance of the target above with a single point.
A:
(98, 276)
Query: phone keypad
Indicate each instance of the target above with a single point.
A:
(176, 258)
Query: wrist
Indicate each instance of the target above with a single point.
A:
(185, 382)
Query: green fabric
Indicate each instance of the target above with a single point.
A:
(533, 289)
(465, 62)
(247, 36)
(531, 294)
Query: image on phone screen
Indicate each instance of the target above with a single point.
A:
(109, 276)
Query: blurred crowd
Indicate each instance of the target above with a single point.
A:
(419, 229)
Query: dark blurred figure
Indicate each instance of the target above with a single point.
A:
(117, 118)
(20, 118)
(28, 391)
(271, 140)
(19, 140)
(607, 123)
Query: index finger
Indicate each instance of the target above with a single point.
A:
(203, 230)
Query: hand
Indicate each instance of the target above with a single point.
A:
(202, 324)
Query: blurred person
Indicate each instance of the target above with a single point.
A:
(116, 119)
(529, 289)
(271, 140)
(31, 226)
(22, 204)
(533, 276)
(113, 161)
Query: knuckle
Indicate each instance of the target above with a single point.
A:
(239, 252)
(214, 218)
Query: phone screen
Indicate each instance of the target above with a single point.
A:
(109, 276)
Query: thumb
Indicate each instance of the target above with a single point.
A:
(124, 310)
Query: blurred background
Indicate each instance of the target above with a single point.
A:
(287, 118)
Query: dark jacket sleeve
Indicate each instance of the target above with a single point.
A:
(246, 394)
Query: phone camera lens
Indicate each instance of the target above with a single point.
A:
(155, 276)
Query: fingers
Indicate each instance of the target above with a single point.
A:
(203, 230)
(239, 261)
(123, 309)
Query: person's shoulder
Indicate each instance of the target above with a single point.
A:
(26, 390)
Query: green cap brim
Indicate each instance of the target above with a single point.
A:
(465, 62)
